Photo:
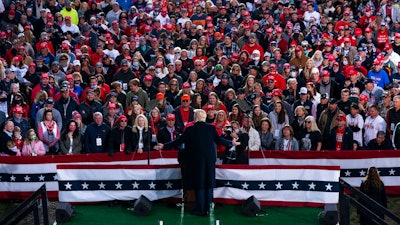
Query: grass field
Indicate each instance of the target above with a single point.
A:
(100, 214)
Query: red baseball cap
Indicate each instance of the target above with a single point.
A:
(325, 73)
(148, 77)
(170, 116)
(186, 85)
(271, 77)
(210, 107)
(18, 109)
(159, 95)
(276, 92)
(341, 117)
(363, 97)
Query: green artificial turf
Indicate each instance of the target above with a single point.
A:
(227, 215)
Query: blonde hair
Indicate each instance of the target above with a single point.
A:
(314, 126)
(200, 115)
(146, 123)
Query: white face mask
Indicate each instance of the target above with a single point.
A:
(256, 58)
(367, 14)
(345, 63)
(158, 70)
(293, 74)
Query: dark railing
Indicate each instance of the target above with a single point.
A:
(31, 204)
(371, 207)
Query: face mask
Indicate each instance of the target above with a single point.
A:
(293, 74)
(100, 81)
(256, 58)
(32, 137)
(345, 63)
(64, 64)
(136, 64)
(198, 11)
(93, 87)
(158, 70)
(367, 14)
(18, 102)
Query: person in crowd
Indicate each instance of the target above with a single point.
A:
(33, 146)
(392, 117)
(287, 142)
(71, 141)
(341, 136)
(66, 105)
(184, 113)
(49, 104)
(169, 132)
(6, 138)
(142, 138)
(374, 188)
(381, 142)
(76, 116)
(119, 139)
(266, 134)
(298, 123)
(279, 119)
(373, 124)
(20, 121)
(17, 138)
(328, 120)
(356, 123)
(310, 138)
(95, 136)
(88, 107)
(49, 132)
(254, 142)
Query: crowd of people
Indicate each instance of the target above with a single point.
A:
(123, 76)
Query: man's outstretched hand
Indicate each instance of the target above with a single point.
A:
(159, 147)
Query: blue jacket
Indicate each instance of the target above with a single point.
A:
(94, 131)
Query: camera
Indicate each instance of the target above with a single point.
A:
(228, 130)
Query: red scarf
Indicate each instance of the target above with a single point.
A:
(153, 121)
(50, 126)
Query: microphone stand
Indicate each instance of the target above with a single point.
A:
(149, 142)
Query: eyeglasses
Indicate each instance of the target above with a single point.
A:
(198, 65)
(123, 121)
(173, 84)
(307, 121)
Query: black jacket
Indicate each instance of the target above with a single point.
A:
(347, 139)
(178, 117)
(4, 139)
(200, 155)
(118, 136)
(147, 144)
(66, 113)
(164, 135)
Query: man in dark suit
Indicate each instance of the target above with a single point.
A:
(5, 137)
(170, 132)
(199, 161)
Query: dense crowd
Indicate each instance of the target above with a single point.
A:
(116, 75)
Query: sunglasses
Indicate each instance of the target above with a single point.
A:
(123, 121)
(185, 101)
(307, 121)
